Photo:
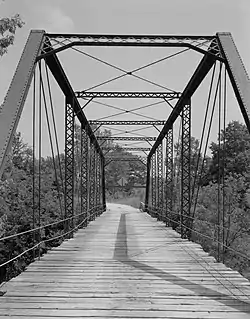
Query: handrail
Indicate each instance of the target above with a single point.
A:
(197, 232)
(53, 238)
(41, 227)
(194, 219)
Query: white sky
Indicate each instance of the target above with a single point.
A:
(187, 17)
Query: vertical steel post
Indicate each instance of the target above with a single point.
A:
(92, 179)
(94, 183)
(84, 174)
(103, 184)
(99, 183)
(185, 217)
(154, 183)
(148, 183)
(169, 177)
(160, 181)
(69, 162)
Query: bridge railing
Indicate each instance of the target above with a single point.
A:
(38, 241)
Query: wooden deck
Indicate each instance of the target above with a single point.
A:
(126, 265)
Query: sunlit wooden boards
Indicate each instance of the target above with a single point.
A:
(126, 264)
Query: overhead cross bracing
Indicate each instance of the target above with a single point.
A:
(201, 44)
(129, 149)
(127, 138)
(125, 95)
(93, 122)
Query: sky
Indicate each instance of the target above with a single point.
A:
(159, 17)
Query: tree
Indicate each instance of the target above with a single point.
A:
(8, 27)
(16, 207)
(235, 154)
(216, 215)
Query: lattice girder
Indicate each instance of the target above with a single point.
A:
(128, 95)
(93, 122)
(98, 182)
(154, 183)
(160, 185)
(169, 177)
(127, 138)
(84, 174)
(202, 44)
(185, 214)
(69, 162)
(92, 175)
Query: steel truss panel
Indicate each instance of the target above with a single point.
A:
(124, 95)
(185, 216)
(169, 177)
(124, 138)
(69, 163)
(84, 174)
(202, 44)
(160, 184)
(237, 73)
(91, 122)
(12, 106)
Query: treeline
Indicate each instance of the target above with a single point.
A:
(222, 214)
(16, 208)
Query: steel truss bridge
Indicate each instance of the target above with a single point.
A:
(169, 274)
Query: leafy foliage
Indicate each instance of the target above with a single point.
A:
(222, 210)
(16, 208)
(8, 27)
(236, 151)
(226, 218)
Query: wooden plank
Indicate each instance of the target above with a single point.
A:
(126, 264)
